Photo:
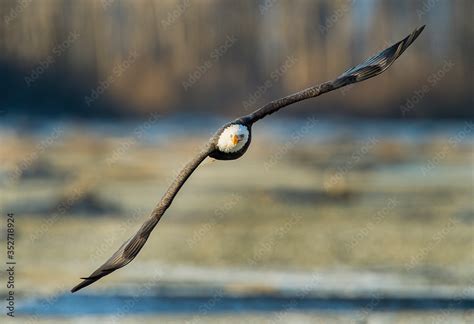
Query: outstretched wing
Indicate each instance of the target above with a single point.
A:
(129, 250)
(368, 69)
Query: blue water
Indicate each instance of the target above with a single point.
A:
(82, 304)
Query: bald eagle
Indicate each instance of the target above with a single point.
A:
(232, 140)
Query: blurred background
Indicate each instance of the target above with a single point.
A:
(352, 207)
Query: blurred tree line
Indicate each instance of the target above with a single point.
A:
(113, 58)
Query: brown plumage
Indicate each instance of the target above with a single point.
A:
(368, 69)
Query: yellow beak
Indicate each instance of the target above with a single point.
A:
(235, 139)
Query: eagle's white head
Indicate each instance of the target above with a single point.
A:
(233, 138)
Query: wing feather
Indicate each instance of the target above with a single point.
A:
(130, 249)
(366, 70)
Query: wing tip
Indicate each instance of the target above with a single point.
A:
(86, 282)
(414, 35)
(402, 45)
